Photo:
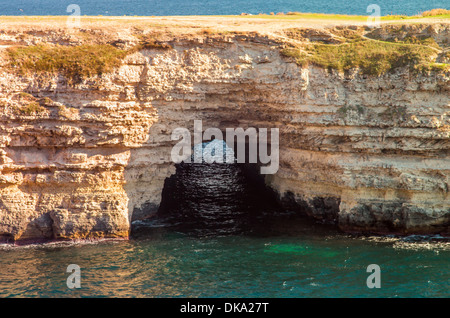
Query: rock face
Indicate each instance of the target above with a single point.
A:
(368, 153)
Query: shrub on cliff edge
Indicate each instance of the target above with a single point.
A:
(371, 56)
(74, 62)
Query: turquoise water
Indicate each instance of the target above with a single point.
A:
(175, 265)
(214, 7)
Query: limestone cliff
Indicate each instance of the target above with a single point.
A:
(86, 159)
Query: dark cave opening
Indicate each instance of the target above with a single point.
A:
(217, 199)
(214, 199)
(220, 199)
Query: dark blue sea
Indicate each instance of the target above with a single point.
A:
(214, 7)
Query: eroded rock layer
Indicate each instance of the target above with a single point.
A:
(367, 152)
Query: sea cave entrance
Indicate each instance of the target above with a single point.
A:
(213, 199)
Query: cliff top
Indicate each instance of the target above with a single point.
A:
(264, 24)
(98, 44)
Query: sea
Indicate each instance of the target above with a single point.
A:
(215, 7)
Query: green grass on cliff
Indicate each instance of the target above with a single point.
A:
(372, 57)
(74, 62)
(32, 109)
